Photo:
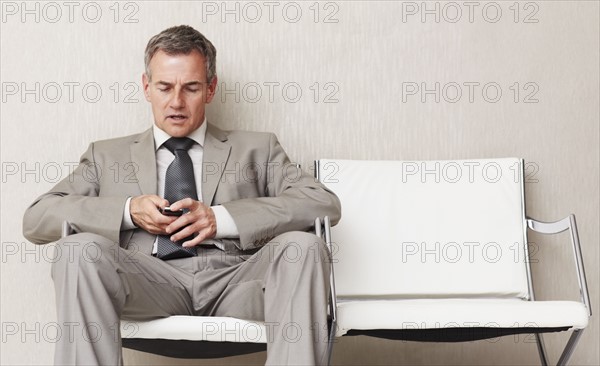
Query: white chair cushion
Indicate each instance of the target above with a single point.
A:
(428, 228)
(454, 313)
(196, 328)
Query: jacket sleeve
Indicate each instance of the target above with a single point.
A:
(77, 200)
(292, 201)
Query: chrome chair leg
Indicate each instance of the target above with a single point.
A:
(570, 347)
(541, 349)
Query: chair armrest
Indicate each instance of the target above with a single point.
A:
(66, 230)
(323, 230)
(567, 223)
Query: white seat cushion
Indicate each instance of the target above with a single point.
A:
(455, 313)
(197, 328)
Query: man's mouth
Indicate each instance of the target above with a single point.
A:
(177, 117)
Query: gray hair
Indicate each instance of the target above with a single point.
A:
(182, 39)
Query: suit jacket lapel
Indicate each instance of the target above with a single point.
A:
(143, 155)
(216, 153)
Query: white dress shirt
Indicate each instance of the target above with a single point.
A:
(226, 227)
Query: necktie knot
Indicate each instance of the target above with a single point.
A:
(178, 143)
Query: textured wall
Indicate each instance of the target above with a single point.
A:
(361, 69)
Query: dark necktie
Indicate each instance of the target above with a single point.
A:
(179, 184)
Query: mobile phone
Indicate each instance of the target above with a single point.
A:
(168, 212)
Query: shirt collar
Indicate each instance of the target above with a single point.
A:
(161, 136)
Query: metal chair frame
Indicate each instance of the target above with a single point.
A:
(567, 223)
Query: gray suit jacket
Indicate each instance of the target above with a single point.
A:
(247, 172)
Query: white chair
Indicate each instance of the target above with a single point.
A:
(437, 251)
(199, 337)
(192, 336)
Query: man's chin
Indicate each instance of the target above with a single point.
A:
(177, 130)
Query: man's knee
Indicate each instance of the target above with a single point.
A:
(295, 246)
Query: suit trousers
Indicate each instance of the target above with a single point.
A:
(98, 283)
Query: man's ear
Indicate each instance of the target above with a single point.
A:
(212, 89)
(145, 85)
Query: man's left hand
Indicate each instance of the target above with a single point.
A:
(200, 219)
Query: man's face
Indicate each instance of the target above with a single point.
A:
(178, 92)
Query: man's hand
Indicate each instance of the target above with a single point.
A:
(144, 213)
(200, 219)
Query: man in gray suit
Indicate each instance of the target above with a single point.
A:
(239, 246)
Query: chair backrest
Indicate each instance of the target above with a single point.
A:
(429, 228)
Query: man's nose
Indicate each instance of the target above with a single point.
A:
(177, 99)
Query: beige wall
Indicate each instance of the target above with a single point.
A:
(362, 63)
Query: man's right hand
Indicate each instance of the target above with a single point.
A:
(145, 214)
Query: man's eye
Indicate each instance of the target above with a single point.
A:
(163, 89)
(193, 90)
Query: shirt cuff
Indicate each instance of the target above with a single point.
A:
(226, 227)
(127, 222)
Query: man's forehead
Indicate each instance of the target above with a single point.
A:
(161, 76)
(177, 81)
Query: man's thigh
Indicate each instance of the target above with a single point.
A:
(283, 259)
(146, 286)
